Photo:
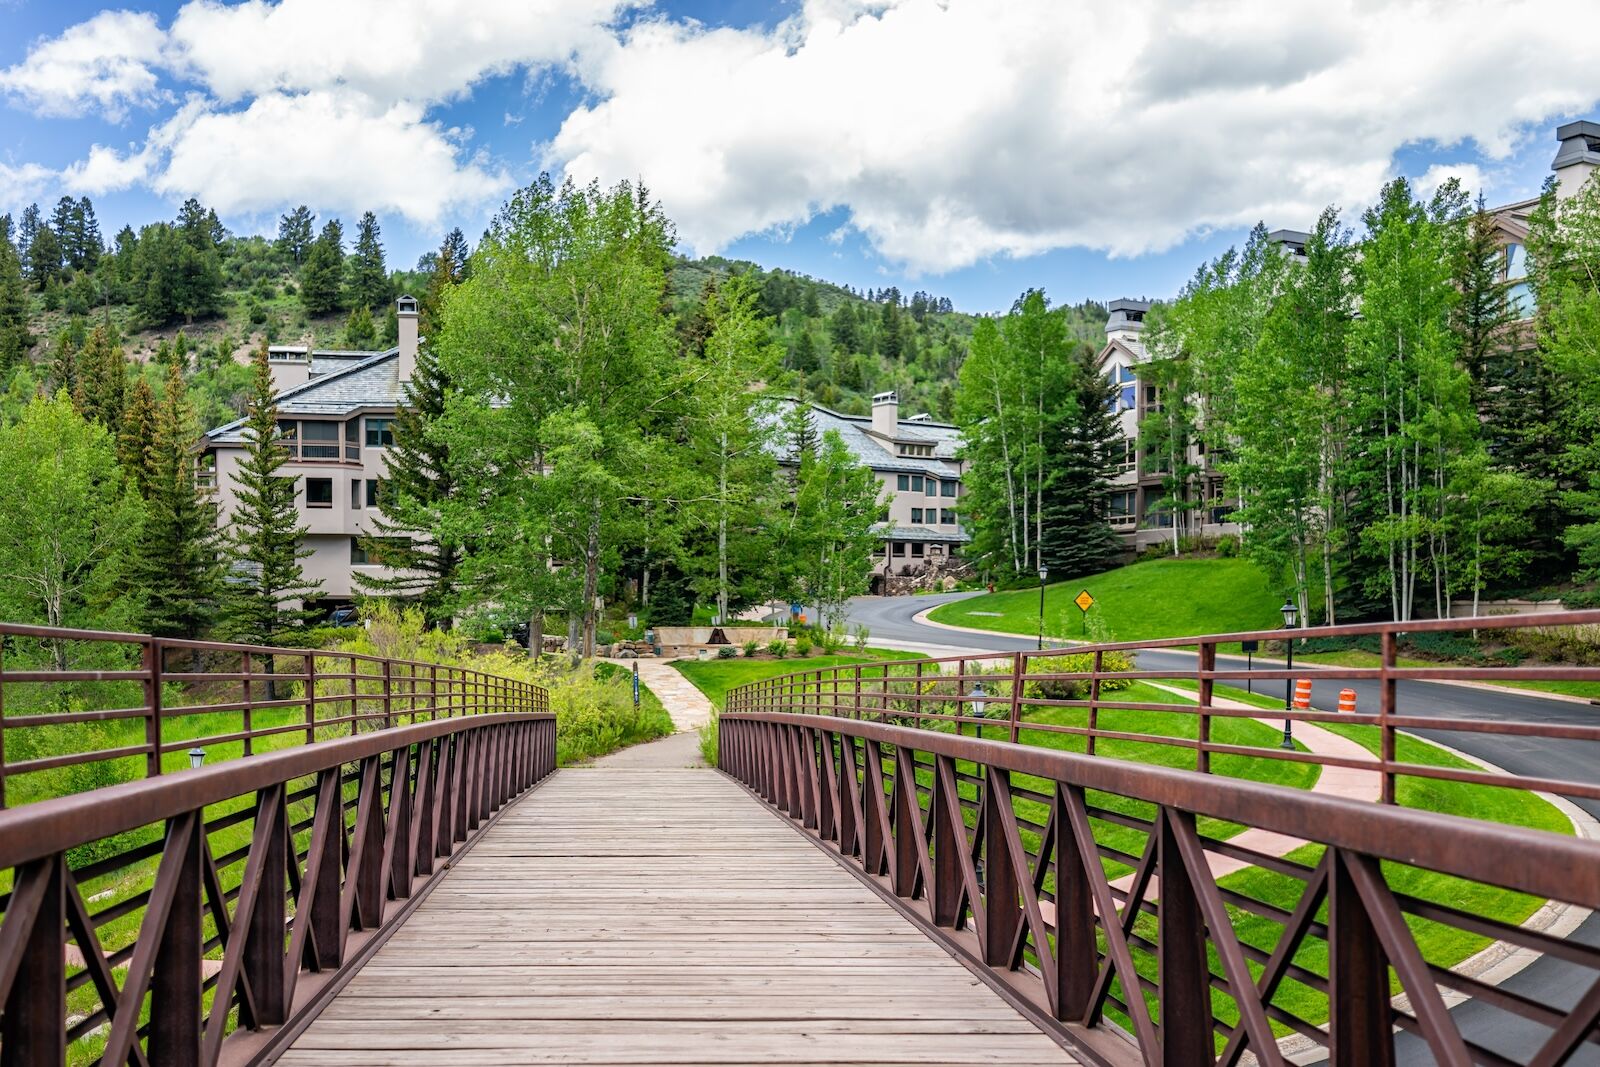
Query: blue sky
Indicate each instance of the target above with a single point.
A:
(965, 147)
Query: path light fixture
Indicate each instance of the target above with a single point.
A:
(1291, 613)
(1044, 573)
(197, 758)
(978, 697)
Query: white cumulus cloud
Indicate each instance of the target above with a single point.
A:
(950, 131)
(107, 64)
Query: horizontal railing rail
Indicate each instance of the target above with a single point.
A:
(1100, 895)
(1074, 691)
(205, 917)
(103, 707)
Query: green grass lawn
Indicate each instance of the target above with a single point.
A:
(714, 677)
(1158, 598)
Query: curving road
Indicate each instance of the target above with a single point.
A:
(1547, 981)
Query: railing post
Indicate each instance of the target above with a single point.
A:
(247, 664)
(152, 706)
(263, 946)
(175, 998)
(2, 727)
(388, 693)
(1205, 687)
(1359, 1015)
(310, 660)
(1018, 670)
(1185, 978)
(32, 1028)
(1092, 719)
(1002, 910)
(1075, 949)
(1386, 707)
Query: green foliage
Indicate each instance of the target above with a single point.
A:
(72, 521)
(727, 652)
(264, 538)
(320, 274)
(778, 647)
(368, 284)
(751, 648)
(802, 646)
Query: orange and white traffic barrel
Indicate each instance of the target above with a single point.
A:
(1347, 701)
(1302, 693)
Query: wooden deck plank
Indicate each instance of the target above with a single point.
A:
(638, 917)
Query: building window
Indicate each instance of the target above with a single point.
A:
(1126, 400)
(947, 489)
(932, 486)
(352, 440)
(1519, 300)
(917, 550)
(319, 492)
(380, 432)
(355, 492)
(1121, 508)
(916, 515)
(947, 517)
(319, 440)
(899, 548)
(903, 483)
(916, 483)
(372, 492)
(358, 555)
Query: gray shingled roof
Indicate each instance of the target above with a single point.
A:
(373, 382)
(946, 439)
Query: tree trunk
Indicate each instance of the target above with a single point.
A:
(591, 580)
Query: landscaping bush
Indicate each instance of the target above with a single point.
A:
(802, 646)
(727, 652)
(1078, 688)
(751, 648)
(1578, 645)
(860, 634)
(777, 647)
(1227, 546)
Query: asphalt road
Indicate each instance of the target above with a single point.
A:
(1546, 981)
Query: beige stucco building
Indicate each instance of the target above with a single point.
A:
(915, 461)
(336, 413)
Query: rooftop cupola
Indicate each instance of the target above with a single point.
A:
(1126, 318)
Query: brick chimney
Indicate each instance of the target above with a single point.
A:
(886, 415)
(405, 314)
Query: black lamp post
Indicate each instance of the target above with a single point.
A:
(1044, 572)
(1290, 614)
(979, 700)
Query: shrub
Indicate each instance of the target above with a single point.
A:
(802, 646)
(752, 647)
(727, 652)
(860, 634)
(832, 642)
(1227, 546)
(1078, 688)
(778, 647)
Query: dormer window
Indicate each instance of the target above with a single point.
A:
(914, 450)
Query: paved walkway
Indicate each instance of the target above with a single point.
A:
(688, 707)
(638, 913)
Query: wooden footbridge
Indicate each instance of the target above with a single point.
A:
(869, 877)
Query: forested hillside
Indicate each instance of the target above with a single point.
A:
(188, 284)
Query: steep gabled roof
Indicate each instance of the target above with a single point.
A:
(874, 452)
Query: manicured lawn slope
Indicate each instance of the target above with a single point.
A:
(1159, 598)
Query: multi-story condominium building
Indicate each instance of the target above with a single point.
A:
(336, 413)
(916, 463)
(1137, 490)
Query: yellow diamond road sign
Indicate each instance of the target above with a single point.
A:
(1084, 601)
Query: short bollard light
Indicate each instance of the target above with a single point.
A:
(197, 758)
(979, 699)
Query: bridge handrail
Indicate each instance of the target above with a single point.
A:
(943, 692)
(91, 680)
(329, 845)
(1006, 865)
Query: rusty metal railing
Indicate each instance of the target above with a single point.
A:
(1027, 695)
(227, 904)
(1100, 895)
(110, 706)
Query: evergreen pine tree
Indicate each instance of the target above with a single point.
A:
(263, 545)
(359, 330)
(102, 379)
(61, 223)
(455, 244)
(803, 357)
(295, 234)
(177, 557)
(136, 435)
(418, 485)
(319, 276)
(86, 235)
(1077, 538)
(801, 431)
(15, 340)
(43, 256)
(444, 273)
(369, 278)
(64, 363)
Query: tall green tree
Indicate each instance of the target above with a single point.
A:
(295, 234)
(559, 345)
(15, 337)
(102, 379)
(368, 283)
(1077, 538)
(360, 332)
(177, 557)
(831, 529)
(136, 435)
(72, 521)
(321, 273)
(410, 533)
(266, 587)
